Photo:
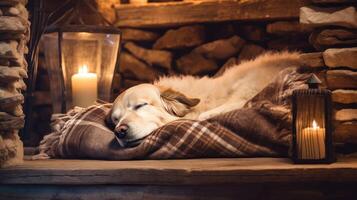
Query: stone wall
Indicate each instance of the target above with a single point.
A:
(326, 34)
(335, 40)
(14, 34)
(209, 48)
(201, 49)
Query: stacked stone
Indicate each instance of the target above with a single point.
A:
(14, 34)
(198, 50)
(335, 38)
(204, 49)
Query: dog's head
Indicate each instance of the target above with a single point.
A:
(143, 108)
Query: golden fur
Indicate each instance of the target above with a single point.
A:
(148, 106)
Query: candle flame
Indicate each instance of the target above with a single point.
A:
(314, 124)
(83, 69)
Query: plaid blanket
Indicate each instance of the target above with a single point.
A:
(261, 128)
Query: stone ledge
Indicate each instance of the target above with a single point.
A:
(345, 57)
(9, 122)
(341, 79)
(347, 114)
(314, 60)
(344, 96)
(328, 16)
(345, 132)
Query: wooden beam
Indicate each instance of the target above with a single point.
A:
(181, 13)
(178, 172)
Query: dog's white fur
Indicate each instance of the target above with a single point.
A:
(148, 106)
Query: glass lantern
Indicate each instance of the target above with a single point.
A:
(81, 60)
(312, 132)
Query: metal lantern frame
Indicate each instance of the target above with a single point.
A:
(313, 91)
(67, 19)
(61, 30)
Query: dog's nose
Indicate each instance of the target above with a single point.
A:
(121, 130)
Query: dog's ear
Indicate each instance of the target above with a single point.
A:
(177, 103)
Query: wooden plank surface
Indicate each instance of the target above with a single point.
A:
(314, 191)
(177, 172)
(181, 13)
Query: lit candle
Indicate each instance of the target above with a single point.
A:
(312, 142)
(84, 87)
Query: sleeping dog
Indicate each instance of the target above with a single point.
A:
(143, 108)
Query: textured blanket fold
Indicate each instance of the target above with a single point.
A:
(261, 128)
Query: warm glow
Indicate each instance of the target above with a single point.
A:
(314, 124)
(84, 34)
(83, 69)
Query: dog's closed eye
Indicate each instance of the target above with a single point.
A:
(140, 105)
(115, 120)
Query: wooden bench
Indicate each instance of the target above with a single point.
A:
(253, 178)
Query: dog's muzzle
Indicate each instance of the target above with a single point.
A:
(121, 131)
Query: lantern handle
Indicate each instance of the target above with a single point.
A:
(313, 82)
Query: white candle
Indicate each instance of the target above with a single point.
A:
(312, 142)
(84, 88)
